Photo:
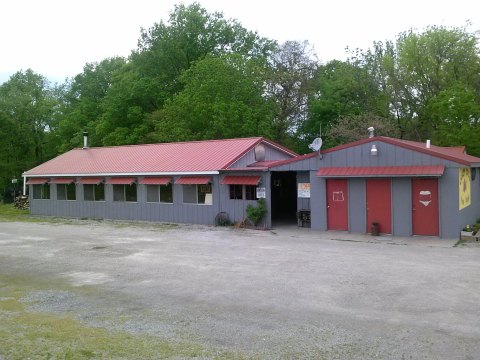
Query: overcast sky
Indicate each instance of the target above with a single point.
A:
(57, 37)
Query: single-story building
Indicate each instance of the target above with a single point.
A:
(400, 187)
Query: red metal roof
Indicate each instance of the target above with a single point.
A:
(62, 181)
(91, 181)
(240, 180)
(156, 180)
(381, 171)
(37, 181)
(121, 181)
(193, 180)
(181, 157)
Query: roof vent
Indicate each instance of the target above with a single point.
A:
(259, 152)
(85, 140)
(427, 145)
(371, 130)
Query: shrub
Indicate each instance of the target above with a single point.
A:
(256, 213)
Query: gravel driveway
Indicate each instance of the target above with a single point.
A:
(290, 293)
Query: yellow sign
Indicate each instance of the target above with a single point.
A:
(464, 198)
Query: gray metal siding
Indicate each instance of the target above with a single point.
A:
(301, 165)
(357, 210)
(177, 212)
(271, 153)
(318, 202)
(402, 206)
(388, 155)
(303, 203)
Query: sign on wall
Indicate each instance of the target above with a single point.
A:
(261, 193)
(464, 196)
(304, 190)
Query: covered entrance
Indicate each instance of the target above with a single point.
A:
(284, 197)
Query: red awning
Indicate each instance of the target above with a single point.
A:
(382, 171)
(37, 181)
(62, 181)
(121, 181)
(240, 180)
(90, 181)
(193, 180)
(156, 181)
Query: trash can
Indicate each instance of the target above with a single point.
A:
(375, 230)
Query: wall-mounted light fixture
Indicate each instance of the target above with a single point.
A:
(373, 150)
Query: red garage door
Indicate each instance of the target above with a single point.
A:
(379, 205)
(337, 204)
(425, 207)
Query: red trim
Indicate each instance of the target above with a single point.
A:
(378, 171)
(121, 181)
(90, 181)
(194, 180)
(156, 181)
(37, 181)
(240, 180)
(62, 181)
(288, 161)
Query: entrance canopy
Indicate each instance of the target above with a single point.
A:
(382, 171)
(240, 180)
(194, 180)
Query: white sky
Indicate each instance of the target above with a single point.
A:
(57, 37)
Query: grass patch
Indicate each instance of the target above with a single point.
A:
(31, 335)
(9, 213)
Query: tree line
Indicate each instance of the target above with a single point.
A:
(200, 76)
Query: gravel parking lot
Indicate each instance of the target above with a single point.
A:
(288, 293)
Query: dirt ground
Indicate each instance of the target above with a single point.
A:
(287, 293)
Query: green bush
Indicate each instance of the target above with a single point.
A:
(256, 213)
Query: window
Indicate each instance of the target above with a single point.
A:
(236, 192)
(197, 194)
(251, 192)
(41, 191)
(160, 193)
(93, 192)
(66, 191)
(125, 193)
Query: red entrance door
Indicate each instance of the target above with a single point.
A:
(379, 205)
(337, 204)
(425, 207)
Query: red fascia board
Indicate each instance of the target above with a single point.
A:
(240, 180)
(37, 181)
(90, 181)
(156, 181)
(121, 181)
(379, 171)
(295, 159)
(194, 180)
(62, 181)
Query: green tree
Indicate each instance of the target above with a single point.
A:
(222, 98)
(27, 117)
(415, 69)
(82, 101)
(290, 84)
(344, 89)
(164, 53)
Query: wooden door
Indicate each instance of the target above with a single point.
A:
(425, 207)
(379, 204)
(337, 204)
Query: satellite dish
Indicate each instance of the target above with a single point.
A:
(316, 144)
(259, 152)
